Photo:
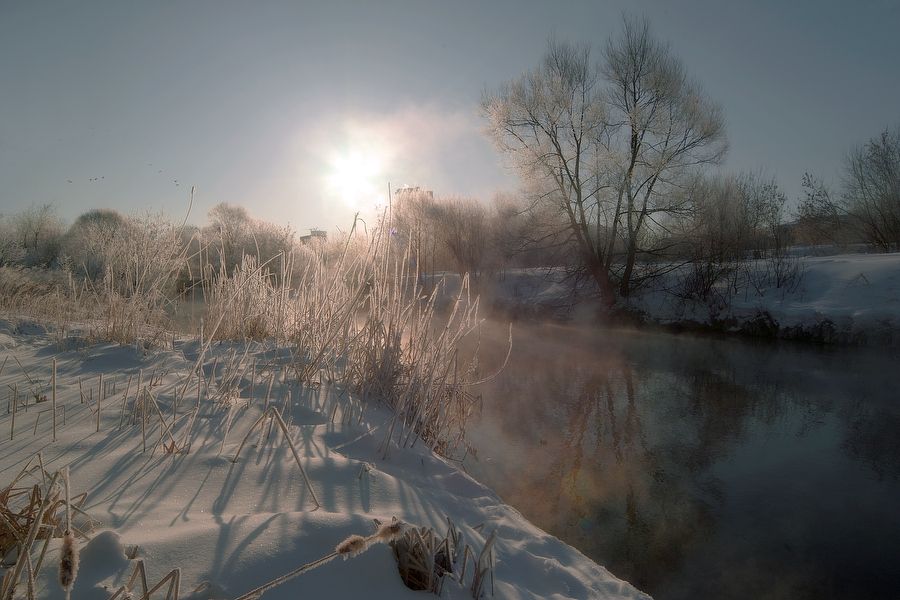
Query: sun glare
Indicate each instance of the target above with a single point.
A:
(353, 178)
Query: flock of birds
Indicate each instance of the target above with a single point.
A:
(118, 135)
(104, 177)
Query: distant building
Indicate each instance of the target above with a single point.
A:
(413, 191)
(314, 234)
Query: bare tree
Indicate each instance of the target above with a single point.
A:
(731, 220)
(94, 243)
(872, 189)
(232, 233)
(508, 231)
(608, 143)
(465, 233)
(227, 234)
(713, 238)
(414, 221)
(11, 251)
(663, 127)
(547, 123)
(154, 253)
(39, 231)
(820, 220)
(764, 206)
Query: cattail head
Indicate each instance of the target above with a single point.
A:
(388, 532)
(353, 545)
(68, 561)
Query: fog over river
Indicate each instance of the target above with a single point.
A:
(699, 467)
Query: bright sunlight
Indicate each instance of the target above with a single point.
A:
(353, 178)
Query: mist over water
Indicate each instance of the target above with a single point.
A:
(699, 467)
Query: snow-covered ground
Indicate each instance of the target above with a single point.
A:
(230, 526)
(846, 299)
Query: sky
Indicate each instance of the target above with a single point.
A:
(306, 112)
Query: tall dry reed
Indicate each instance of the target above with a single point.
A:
(356, 315)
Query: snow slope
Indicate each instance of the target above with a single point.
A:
(231, 527)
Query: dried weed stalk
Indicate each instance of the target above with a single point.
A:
(33, 507)
(425, 559)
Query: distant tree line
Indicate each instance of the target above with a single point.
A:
(458, 234)
(715, 231)
(722, 221)
(124, 252)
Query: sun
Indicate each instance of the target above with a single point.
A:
(353, 178)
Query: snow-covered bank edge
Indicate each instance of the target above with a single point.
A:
(763, 324)
(851, 299)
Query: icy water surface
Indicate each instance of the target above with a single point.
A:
(701, 468)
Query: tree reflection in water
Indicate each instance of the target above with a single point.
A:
(697, 467)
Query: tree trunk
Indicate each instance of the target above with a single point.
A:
(601, 276)
(625, 283)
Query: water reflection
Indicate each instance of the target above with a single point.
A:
(699, 467)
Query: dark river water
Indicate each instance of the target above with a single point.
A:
(697, 467)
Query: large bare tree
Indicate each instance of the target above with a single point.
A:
(872, 189)
(547, 123)
(414, 219)
(607, 141)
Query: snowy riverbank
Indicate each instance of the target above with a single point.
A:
(230, 527)
(849, 299)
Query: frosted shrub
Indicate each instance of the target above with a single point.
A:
(243, 305)
(136, 291)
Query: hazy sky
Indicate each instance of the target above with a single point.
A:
(129, 104)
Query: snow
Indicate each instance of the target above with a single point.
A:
(232, 526)
(847, 299)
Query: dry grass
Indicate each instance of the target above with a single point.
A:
(355, 316)
(352, 546)
(172, 592)
(245, 305)
(34, 507)
(425, 560)
(273, 414)
(130, 304)
(407, 355)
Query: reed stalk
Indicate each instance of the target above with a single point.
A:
(15, 409)
(25, 553)
(53, 396)
(99, 399)
(272, 413)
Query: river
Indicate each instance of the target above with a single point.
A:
(699, 467)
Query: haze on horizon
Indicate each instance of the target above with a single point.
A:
(305, 114)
